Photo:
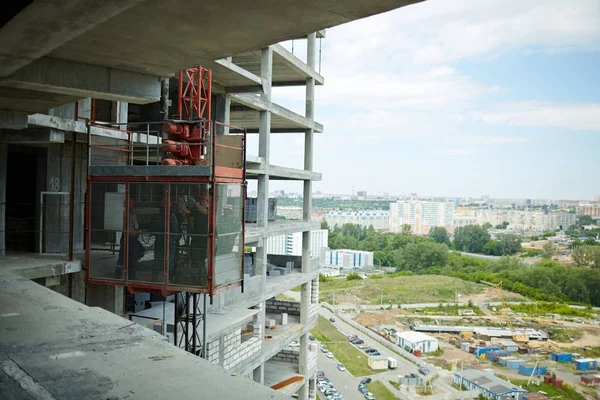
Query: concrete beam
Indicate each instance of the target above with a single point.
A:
(69, 125)
(297, 65)
(226, 62)
(277, 172)
(84, 80)
(260, 104)
(13, 119)
(45, 25)
(33, 136)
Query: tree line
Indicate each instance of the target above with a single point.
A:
(547, 280)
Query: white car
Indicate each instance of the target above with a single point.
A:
(329, 354)
(341, 367)
(294, 344)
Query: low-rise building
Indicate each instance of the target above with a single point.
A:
(354, 259)
(417, 340)
(379, 220)
(489, 385)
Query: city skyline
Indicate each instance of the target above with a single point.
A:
(503, 100)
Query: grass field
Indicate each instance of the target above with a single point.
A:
(398, 290)
(353, 359)
(380, 391)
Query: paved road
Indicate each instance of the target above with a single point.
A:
(343, 382)
(404, 366)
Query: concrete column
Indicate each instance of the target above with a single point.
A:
(307, 211)
(308, 151)
(3, 169)
(222, 109)
(312, 386)
(264, 137)
(78, 286)
(258, 374)
(111, 298)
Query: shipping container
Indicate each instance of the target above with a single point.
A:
(562, 357)
(531, 369)
(586, 364)
(515, 364)
(479, 350)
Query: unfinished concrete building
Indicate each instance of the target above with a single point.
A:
(115, 64)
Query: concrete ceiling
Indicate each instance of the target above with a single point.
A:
(150, 38)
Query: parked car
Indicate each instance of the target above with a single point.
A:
(358, 342)
(376, 353)
(351, 337)
(329, 354)
(363, 346)
(364, 381)
(369, 396)
(341, 367)
(371, 350)
(324, 349)
(354, 339)
(332, 319)
(311, 337)
(320, 374)
(362, 388)
(423, 370)
(294, 344)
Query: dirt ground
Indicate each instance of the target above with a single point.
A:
(491, 294)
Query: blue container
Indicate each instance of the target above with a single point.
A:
(481, 350)
(562, 357)
(586, 364)
(529, 369)
(515, 364)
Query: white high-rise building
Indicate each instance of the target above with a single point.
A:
(291, 244)
(421, 215)
(379, 220)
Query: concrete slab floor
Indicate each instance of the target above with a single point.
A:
(34, 265)
(279, 371)
(52, 347)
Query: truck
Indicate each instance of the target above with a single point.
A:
(392, 363)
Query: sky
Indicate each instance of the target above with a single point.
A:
(456, 98)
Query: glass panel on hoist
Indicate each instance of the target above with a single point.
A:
(189, 205)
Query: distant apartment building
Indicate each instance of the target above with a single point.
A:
(421, 215)
(526, 221)
(593, 210)
(289, 212)
(361, 194)
(464, 220)
(353, 259)
(379, 220)
(291, 243)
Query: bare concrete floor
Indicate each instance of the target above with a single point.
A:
(279, 371)
(52, 347)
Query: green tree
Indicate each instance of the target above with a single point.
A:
(548, 251)
(324, 225)
(491, 248)
(419, 256)
(440, 235)
(585, 220)
(580, 256)
(471, 238)
(486, 225)
(406, 229)
(509, 244)
(503, 225)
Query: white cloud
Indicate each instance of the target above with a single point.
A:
(583, 117)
